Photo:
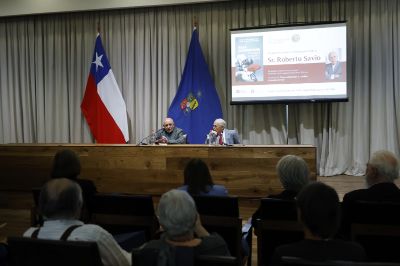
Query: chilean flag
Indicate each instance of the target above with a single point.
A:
(103, 105)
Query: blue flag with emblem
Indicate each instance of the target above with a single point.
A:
(196, 104)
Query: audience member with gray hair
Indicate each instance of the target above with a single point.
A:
(181, 224)
(177, 215)
(382, 170)
(294, 174)
(60, 203)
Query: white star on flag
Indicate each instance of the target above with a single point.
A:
(98, 61)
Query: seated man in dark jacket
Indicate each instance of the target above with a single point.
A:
(170, 134)
(382, 171)
(319, 212)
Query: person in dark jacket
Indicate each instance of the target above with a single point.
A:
(319, 212)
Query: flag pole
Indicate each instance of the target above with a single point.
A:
(196, 104)
(195, 22)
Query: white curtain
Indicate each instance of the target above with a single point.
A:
(45, 61)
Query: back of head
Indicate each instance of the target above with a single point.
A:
(177, 213)
(66, 164)
(386, 165)
(197, 177)
(293, 172)
(60, 198)
(318, 206)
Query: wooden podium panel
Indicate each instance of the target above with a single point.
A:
(246, 171)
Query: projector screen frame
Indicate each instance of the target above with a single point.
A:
(273, 27)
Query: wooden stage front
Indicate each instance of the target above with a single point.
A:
(247, 171)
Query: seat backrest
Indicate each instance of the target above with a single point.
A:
(184, 256)
(217, 206)
(27, 251)
(371, 212)
(36, 218)
(380, 241)
(36, 194)
(143, 256)
(278, 226)
(295, 261)
(3, 254)
(375, 226)
(123, 213)
(221, 215)
(229, 228)
(213, 260)
(273, 233)
(278, 209)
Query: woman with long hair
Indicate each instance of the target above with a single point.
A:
(198, 180)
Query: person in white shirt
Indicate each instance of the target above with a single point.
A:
(60, 203)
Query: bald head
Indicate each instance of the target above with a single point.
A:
(60, 198)
(168, 124)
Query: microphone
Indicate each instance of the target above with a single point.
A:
(147, 139)
(211, 136)
(143, 142)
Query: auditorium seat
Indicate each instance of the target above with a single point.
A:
(380, 241)
(217, 205)
(277, 225)
(27, 252)
(376, 227)
(124, 213)
(184, 256)
(36, 218)
(294, 261)
(375, 212)
(221, 215)
(278, 209)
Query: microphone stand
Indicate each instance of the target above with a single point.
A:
(211, 137)
(150, 139)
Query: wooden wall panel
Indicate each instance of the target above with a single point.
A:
(247, 171)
